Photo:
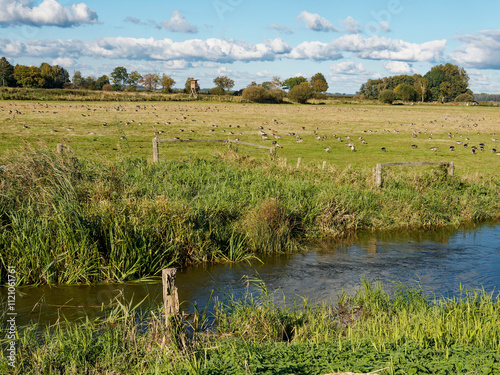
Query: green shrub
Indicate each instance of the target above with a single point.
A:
(464, 98)
(387, 96)
(301, 93)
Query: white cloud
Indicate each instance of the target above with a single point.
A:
(47, 13)
(315, 22)
(315, 51)
(65, 62)
(399, 67)
(381, 48)
(348, 67)
(224, 50)
(480, 50)
(217, 50)
(351, 25)
(179, 24)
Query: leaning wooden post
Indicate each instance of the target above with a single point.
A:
(451, 169)
(298, 162)
(156, 153)
(59, 148)
(170, 297)
(378, 175)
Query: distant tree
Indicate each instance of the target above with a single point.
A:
(266, 85)
(276, 95)
(101, 81)
(120, 78)
(421, 87)
(150, 81)
(405, 92)
(187, 85)
(224, 83)
(6, 73)
(276, 83)
(290, 83)
(447, 82)
(167, 83)
(133, 80)
(319, 83)
(77, 79)
(55, 77)
(28, 76)
(387, 96)
(301, 93)
(90, 83)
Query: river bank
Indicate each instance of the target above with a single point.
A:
(68, 219)
(404, 332)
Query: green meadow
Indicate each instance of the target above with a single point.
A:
(117, 130)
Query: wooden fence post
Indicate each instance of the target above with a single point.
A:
(451, 169)
(59, 148)
(324, 165)
(170, 297)
(298, 162)
(378, 175)
(156, 153)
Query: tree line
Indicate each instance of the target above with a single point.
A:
(443, 83)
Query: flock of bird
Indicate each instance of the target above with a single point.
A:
(267, 131)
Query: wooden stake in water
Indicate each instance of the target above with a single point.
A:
(170, 297)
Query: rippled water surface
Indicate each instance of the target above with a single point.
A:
(440, 261)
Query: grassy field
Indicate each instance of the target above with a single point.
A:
(118, 130)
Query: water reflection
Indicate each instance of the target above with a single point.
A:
(439, 260)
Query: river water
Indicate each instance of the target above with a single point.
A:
(440, 261)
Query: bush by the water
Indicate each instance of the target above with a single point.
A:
(65, 219)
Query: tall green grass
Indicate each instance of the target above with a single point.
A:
(66, 219)
(402, 333)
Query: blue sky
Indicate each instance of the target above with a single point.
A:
(349, 42)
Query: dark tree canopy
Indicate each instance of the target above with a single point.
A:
(6, 73)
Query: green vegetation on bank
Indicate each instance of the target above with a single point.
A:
(66, 219)
(402, 333)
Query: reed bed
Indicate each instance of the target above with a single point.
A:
(402, 333)
(68, 219)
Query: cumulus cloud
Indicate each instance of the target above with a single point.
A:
(399, 67)
(65, 62)
(225, 50)
(315, 22)
(381, 48)
(480, 50)
(349, 68)
(317, 51)
(217, 50)
(351, 25)
(281, 29)
(47, 13)
(179, 24)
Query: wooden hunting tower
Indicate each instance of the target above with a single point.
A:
(194, 88)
